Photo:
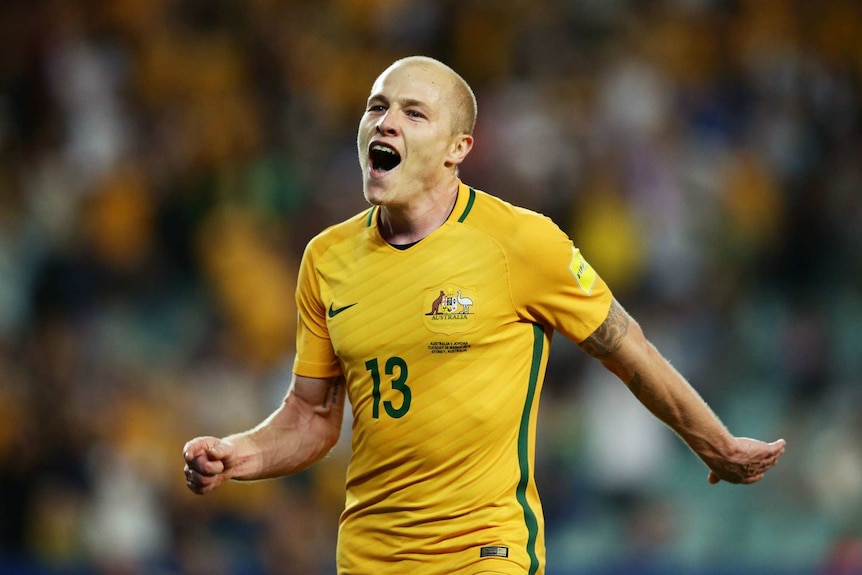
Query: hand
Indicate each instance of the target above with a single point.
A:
(208, 463)
(752, 460)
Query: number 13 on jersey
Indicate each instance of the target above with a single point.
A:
(396, 368)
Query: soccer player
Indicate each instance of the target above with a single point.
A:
(433, 311)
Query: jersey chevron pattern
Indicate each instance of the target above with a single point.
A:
(444, 347)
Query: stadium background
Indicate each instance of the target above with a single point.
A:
(164, 161)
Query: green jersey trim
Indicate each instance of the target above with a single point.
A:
(370, 219)
(469, 206)
(524, 449)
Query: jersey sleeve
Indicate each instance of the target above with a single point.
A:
(315, 356)
(552, 283)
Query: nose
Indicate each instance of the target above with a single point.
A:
(388, 123)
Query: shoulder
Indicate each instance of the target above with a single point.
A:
(509, 224)
(339, 233)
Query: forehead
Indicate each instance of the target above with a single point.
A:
(419, 82)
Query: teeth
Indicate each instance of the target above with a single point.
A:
(379, 148)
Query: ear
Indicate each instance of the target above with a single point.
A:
(459, 148)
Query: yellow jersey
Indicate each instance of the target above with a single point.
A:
(443, 346)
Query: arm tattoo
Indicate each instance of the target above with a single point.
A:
(332, 394)
(636, 385)
(608, 337)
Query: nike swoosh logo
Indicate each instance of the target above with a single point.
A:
(334, 312)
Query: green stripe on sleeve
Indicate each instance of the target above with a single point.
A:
(530, 519)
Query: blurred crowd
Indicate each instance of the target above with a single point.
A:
(163, 162)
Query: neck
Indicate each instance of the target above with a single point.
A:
(400, 225)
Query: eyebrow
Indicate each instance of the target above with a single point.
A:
(406, 102)
(411, 103)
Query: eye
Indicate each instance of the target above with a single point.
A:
(377, 108)
(415, 114)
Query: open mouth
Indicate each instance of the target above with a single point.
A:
(383, 158)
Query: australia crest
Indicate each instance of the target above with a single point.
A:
(450, 309)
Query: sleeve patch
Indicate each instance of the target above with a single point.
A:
(583, 272)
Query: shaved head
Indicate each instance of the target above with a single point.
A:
(415, 133)
(461, 96)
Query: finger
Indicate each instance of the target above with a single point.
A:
(194, 448)
(776, 448)
(215, 451)
(199, 483)
(203, 490)
(212, 447)
(781, 447)
(205, 466)
(199, 488)
(752, 479)
(191, 480)
(773, 457)
(189, 451)
(768, 462)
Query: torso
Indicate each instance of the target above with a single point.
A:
(444, 367)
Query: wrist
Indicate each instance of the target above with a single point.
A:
(245, 462)
(722, 449)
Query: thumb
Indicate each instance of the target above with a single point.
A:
(207, 448)
(713, 477)
(219, 450)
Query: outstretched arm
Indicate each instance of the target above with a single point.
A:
(620, 344)
(300, 432)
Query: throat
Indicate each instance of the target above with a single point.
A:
(406, 228)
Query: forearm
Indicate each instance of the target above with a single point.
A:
(292, 438)
(622, 347)
(668, 396)
(619, 343)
